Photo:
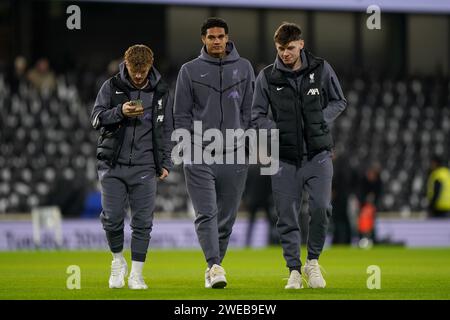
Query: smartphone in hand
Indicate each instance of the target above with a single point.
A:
(137, 103)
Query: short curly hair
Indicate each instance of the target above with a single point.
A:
(213, 22)
(139, 56)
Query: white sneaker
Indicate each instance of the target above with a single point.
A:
(136, 282)
(217, 277)
(294, 281)
(207, 279)
(119, 271)
(314, 275)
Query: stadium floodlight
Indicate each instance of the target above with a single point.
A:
(47, 219)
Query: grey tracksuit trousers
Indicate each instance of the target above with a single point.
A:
(122, 186)
(215, 191)
(315, 176)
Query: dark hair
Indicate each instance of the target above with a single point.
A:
(287, 32)
(213, 22)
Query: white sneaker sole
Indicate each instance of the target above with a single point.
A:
(219, 282)
(317, 287)
(117, 286)
(293, 287)
(137, 287)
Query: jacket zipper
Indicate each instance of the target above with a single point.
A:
(221, 106)
(299, 152)
(134, 134)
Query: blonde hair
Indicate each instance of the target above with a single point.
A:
(139, 56)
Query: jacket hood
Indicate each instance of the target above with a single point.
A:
(282, 67)
(232, 55)
(153, 76)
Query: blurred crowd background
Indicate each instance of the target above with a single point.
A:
(396, 81)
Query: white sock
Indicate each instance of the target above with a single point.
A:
(118, 255)
(136, 267)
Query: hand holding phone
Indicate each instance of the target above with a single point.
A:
(133, 108)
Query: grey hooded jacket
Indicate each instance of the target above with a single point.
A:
(217, 92)
(137, 146)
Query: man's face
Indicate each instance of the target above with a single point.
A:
(215, 41)
(138, 75)
(290, 52)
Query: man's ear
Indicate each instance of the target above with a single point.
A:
(302, 44)
(204, 40)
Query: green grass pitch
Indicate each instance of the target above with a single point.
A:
(251, 274)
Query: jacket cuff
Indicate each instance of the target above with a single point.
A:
(167, 166)
(119, 111)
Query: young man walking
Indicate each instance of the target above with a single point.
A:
(216, 91)
(304, 97)
(133, 112)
